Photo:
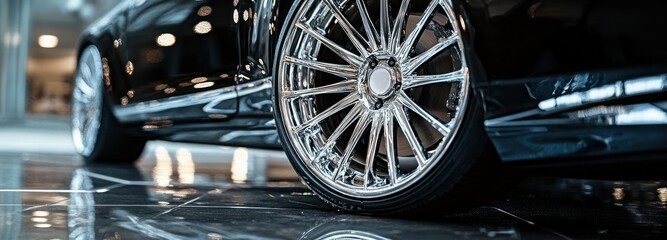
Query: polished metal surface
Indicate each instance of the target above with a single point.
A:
(377, 89)
(87, 100)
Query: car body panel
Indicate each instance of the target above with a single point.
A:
(203, 53)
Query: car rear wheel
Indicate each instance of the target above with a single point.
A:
(374, 106)
(97, 135)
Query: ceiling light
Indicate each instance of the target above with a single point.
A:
(47, 41)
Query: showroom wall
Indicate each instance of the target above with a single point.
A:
(14, 27)
(38, 53)
(54, 37)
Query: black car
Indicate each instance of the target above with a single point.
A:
(383, 106)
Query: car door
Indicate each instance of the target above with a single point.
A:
(181, 59)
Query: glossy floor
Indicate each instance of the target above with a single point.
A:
(183, 191)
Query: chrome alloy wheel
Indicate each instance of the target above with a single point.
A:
(357, 101)
(87, 101)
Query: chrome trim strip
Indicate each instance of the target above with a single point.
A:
(210, 98)
(624, 88)
(175, 102)
(242, 90)
(629, 87)
(584, 123)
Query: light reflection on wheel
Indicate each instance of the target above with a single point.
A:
(343, 75)
(87, 101)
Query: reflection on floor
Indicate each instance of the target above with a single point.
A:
(184, 191)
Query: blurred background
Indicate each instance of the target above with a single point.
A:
(37, 63)
(38, 50)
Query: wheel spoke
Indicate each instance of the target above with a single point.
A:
(390, 138)
(412, 64)
(397, 32)
(85, 89)
(358, 131)
(340, 51)
(376, 126)
(331, 141)
(88, 75)
(343, 71)
(84, 70)
(406, 46)
(411, 81)
(437, 124)
(337, 107)
(340, 87)
(369, 27)
(416, 147)
(351, 32)
(384, 23)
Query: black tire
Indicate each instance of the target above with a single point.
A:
(113, 145)
(468, 175)
(109, 142)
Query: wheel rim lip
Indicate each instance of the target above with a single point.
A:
(85, 135)
(402, 182)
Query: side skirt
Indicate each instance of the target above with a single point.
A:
(613, 119)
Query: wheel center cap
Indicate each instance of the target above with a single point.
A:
(380, 81)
